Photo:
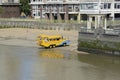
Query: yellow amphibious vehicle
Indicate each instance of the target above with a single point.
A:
(52, 41)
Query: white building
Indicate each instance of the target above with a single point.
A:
(37, 8)
(74, 9)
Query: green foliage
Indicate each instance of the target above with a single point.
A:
(25, 7)
(117, 45)
(1, 9)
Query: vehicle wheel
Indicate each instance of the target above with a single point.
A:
(54, 46)
(50, 46)
(64, 44)
(46, 47)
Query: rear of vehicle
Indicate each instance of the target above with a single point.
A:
(42, 40)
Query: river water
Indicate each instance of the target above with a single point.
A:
(23, 63)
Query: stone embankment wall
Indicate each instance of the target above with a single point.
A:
(99, 42)
(40, 25)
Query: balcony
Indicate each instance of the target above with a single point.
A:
(36, 2)
(54, 2)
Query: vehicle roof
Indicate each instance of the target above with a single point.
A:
(42, 35)
(53, 36)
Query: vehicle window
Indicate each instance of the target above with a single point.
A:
(40, 38)
(58, 39)
(50, 39)
(53, 39)
(45, 39)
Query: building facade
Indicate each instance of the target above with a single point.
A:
(10, 8)
(74, 9)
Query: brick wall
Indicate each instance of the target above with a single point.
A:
(10, 11)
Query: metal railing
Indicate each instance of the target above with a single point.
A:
(85, 30)
(112, 31)
(107, 31)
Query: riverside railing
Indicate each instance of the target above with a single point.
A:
(40, 25)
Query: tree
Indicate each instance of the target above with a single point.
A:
(25, 7)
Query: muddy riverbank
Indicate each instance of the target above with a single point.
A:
(27, 37)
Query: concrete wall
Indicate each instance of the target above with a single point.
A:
(99, 42)
(101, 35)
(41, 25)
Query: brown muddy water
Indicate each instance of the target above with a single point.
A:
(23, 63)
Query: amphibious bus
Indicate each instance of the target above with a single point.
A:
(52, 41)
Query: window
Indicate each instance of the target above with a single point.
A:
(10, 1)
(117, 5)
(33, 14)
(109, 5)
(70, 8)
(76, 9)
(88, 6)
(105, 5)
(117, 0)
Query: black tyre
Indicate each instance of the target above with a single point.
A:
(50, 46)
(54, 46)
(64, 44)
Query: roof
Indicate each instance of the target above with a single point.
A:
(53, 36)
(42, 35)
